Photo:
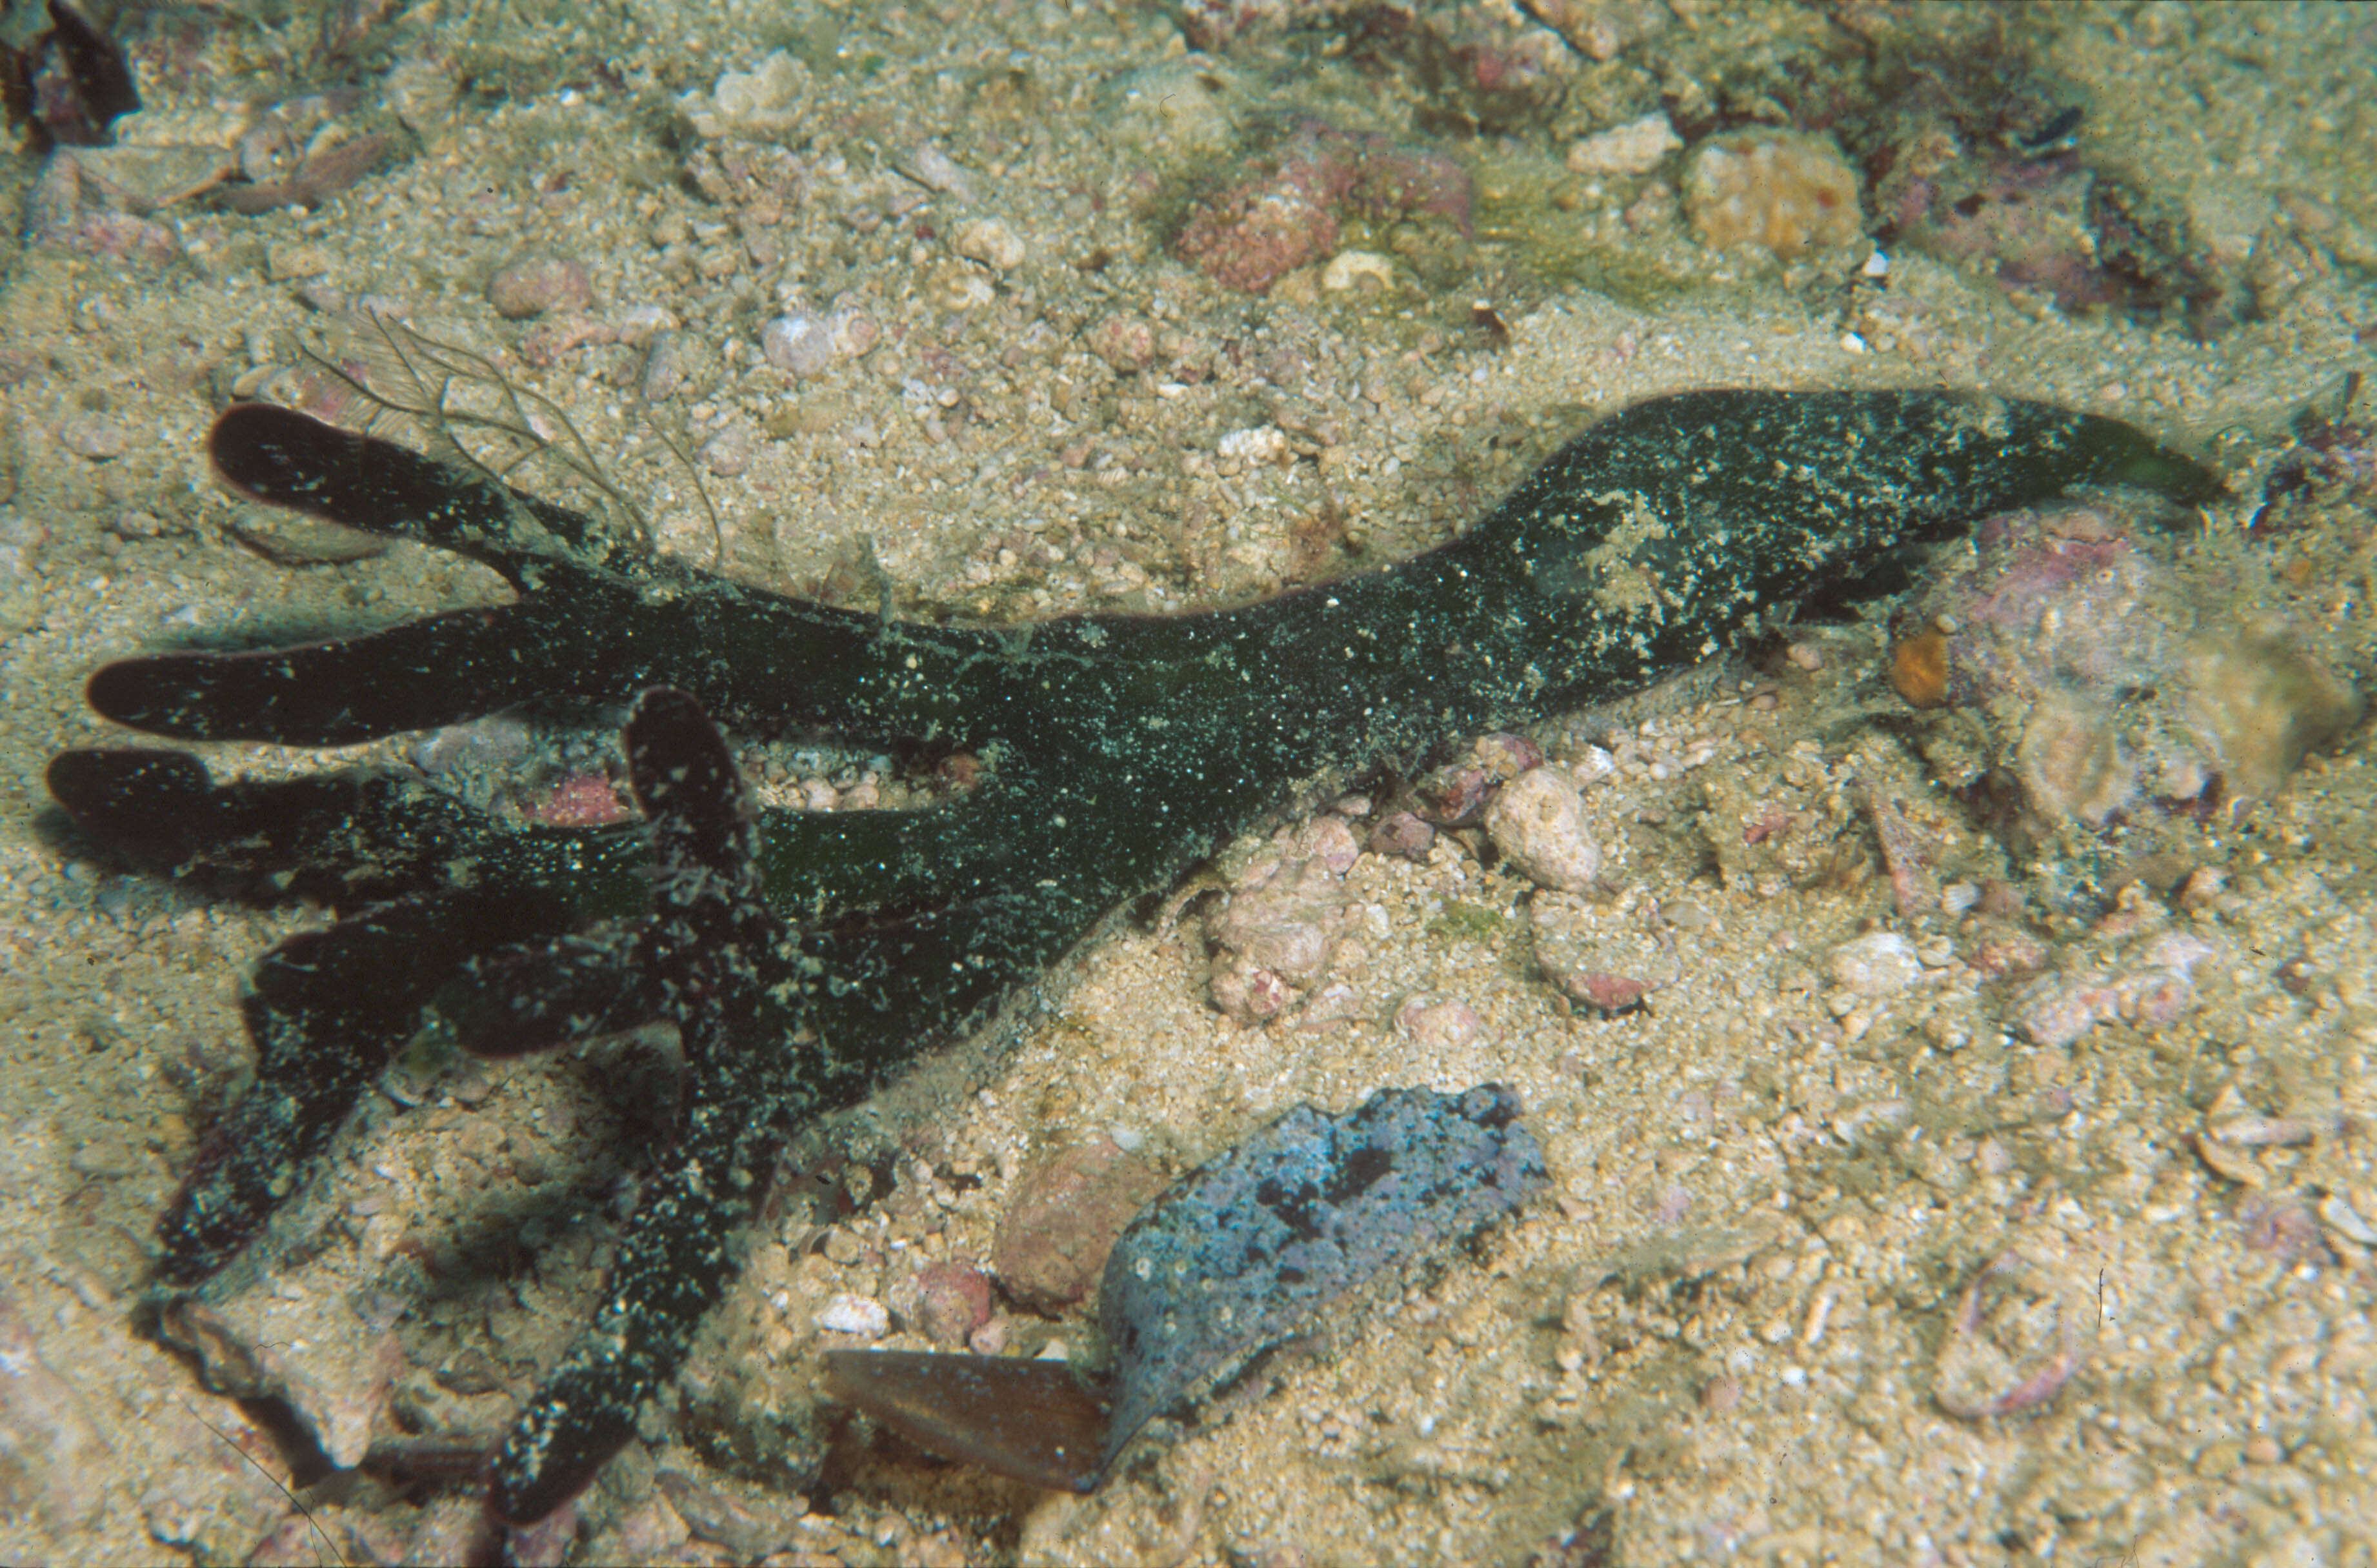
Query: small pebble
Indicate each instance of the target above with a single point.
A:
(667, 367)
(1404, 834)
(1278, 933)
(1506, 756)
(1591, 765)
(1067, 1211)
(1439, 1026)
(953, 285)
(1262, 445)
(936, 170)
(1877, 964)
(1787, 192)
(93, 436)
(799, 344)
(990, 242)
(1601, 990)
(1126, 342)
(1537, 822)
(773, 97)
(854, 332)
(536, 281)
(728, 453)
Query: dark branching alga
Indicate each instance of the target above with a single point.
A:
(804, 957)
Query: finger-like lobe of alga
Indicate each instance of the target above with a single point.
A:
(804, 957)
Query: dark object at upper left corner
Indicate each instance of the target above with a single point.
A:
(62, 77)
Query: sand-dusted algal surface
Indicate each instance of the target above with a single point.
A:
(1941, 1022)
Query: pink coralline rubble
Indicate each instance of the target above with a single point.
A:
(1403, 834)
(2054, 224)
(1440, 1023)
(2150, 987)
(1280, 929)
(1252, 235)
(68, 210)
(51, 1450)
(952, 1301)
(1960, 171)
(1288, 213)
(1453, 795)
(582, 800)
(2026, 222)
(2120, 679)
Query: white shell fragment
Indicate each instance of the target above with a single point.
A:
(1635, 147)
(1348, 268)
(1876, 965)
(773, 97)
(861, 1315)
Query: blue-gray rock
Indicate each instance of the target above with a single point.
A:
(1237, 1256)
(1232, 1260)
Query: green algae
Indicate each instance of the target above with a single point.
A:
(1465, 922)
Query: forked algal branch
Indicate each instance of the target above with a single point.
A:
(804, 957)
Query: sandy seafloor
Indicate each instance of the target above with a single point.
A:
(1726, 1333)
